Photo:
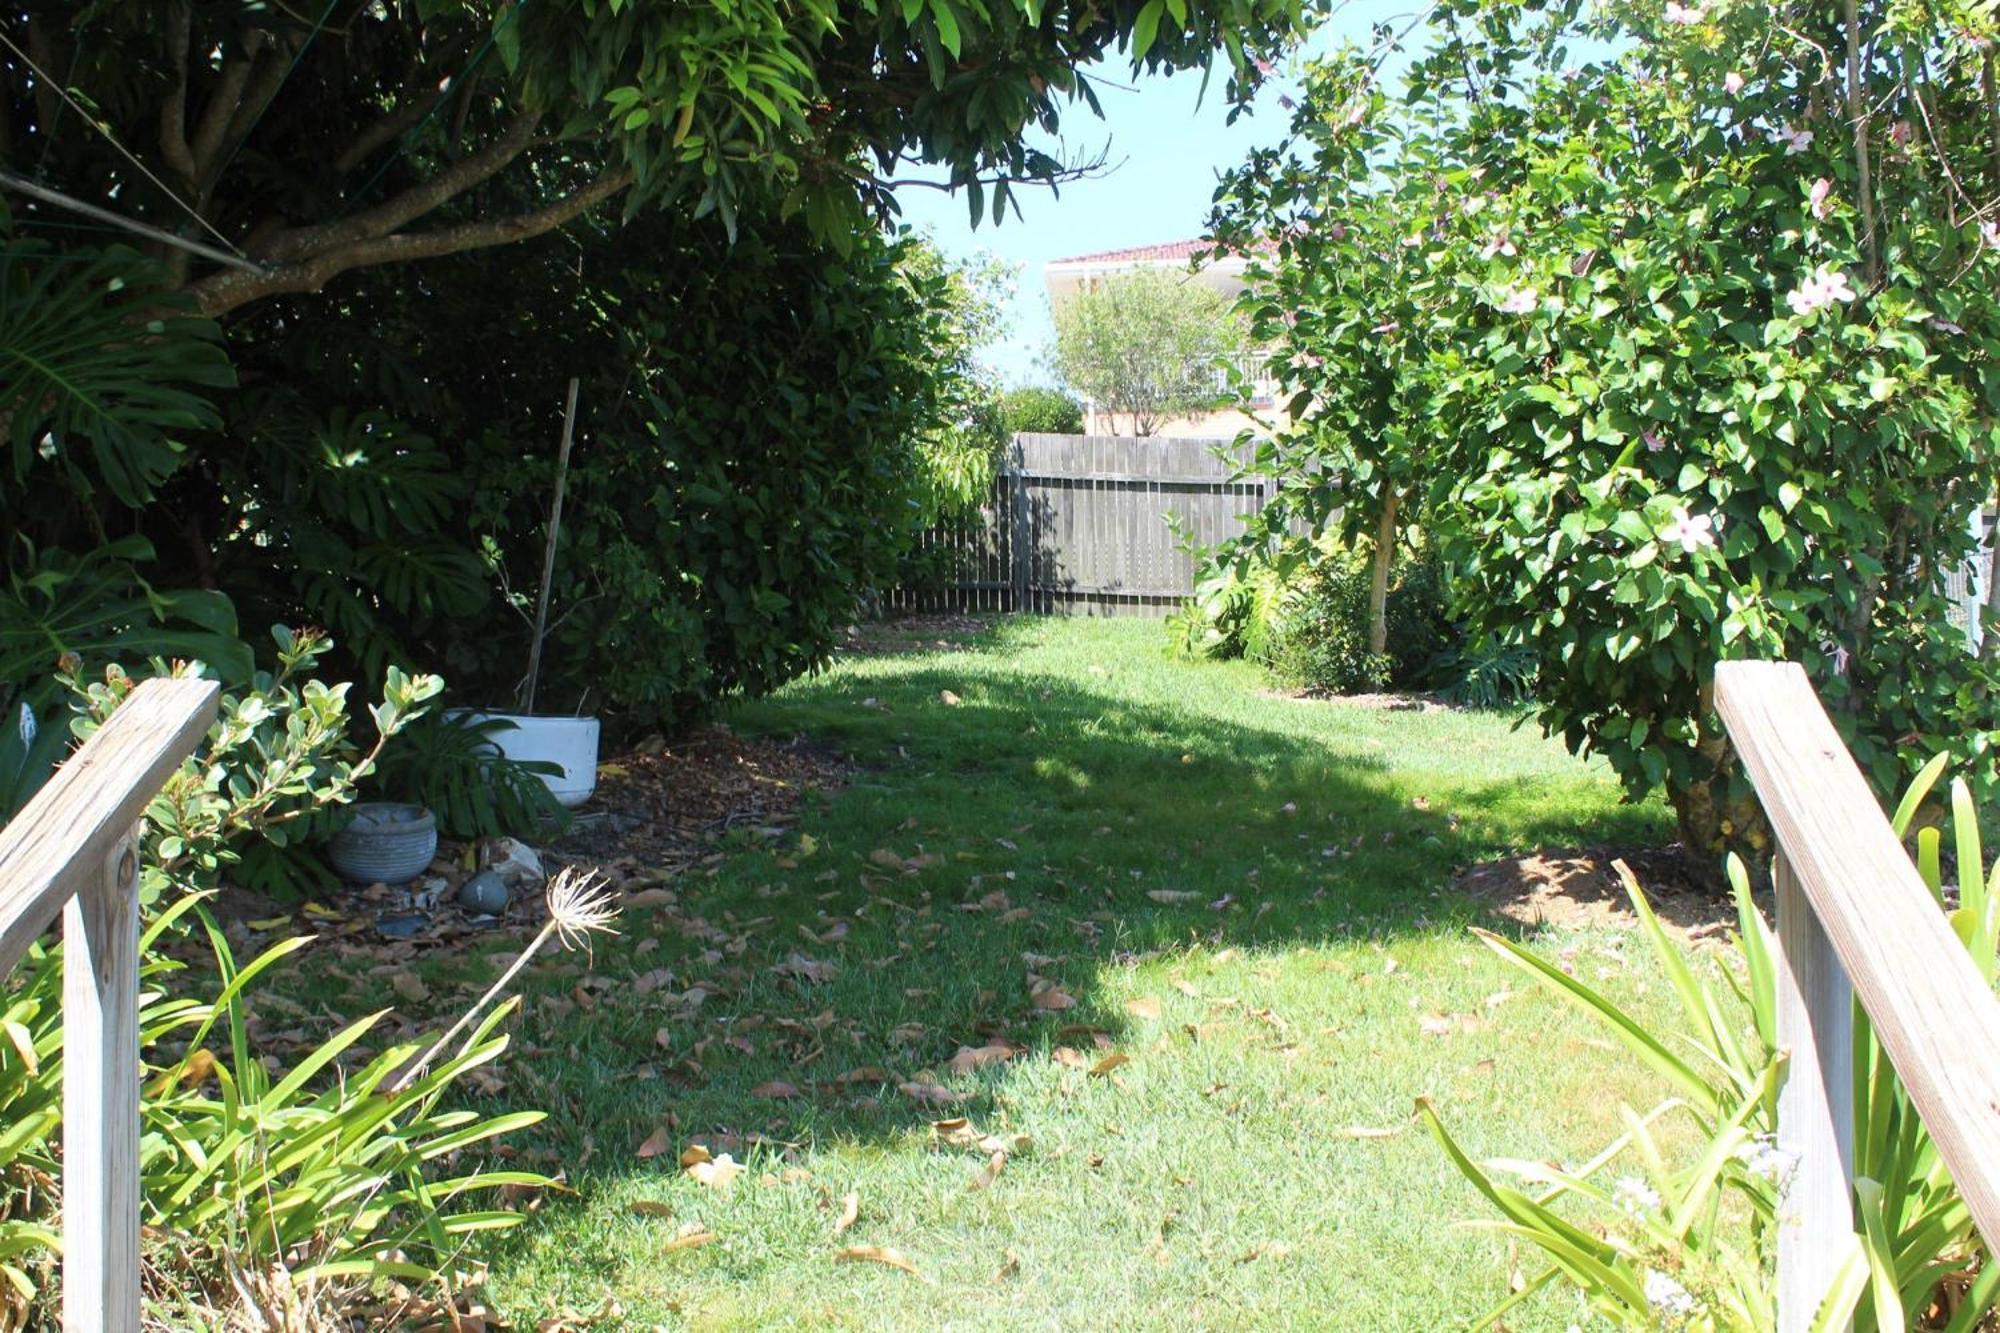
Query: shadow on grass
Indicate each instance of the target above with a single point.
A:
(1006, 830)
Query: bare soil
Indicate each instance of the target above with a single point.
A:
(1572, 888)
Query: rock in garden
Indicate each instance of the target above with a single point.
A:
(517, 864)
(486, 892)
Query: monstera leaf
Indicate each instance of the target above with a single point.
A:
(97, 367)
(97, 607)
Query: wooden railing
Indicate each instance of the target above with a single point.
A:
(75, 848)
(1856, 923)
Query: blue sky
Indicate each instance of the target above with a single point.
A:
(1167, 146)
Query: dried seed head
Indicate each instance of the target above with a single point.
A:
(581, 904)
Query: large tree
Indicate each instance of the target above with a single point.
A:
(1681, 354)
(328, 135)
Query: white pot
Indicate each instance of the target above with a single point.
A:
(568, 741)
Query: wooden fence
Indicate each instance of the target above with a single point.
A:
(1856, 923)
(1079, 524)
(75, 849)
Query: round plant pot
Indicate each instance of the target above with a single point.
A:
(570, 742)
(388, 842)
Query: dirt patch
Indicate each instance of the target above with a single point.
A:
(662, 805)
(914, 634)
(1379, 703)
(1576, 887)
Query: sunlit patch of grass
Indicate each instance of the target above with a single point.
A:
(1246, 896)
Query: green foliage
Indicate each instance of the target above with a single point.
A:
(29, 753)
(449, 762)
(1322, 639)
(1035, 409)
(348, 522)
(335, 135)
(1487, 674)
(100, 369)
(1147, 345)
(319, 1168)
(276, 769)
(1693, 1246)
(752, 427)
(1663, 382)
(1236, 611)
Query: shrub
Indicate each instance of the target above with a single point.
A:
(1322, 639)
(276, 771)
(749, 458)
(1037, 410)
(1694, 1246)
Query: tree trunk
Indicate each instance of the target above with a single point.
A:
(1378, 588)
(1989, 636)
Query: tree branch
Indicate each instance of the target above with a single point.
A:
(221, 106)
(173, 111)
(303, 243)
(223, 292)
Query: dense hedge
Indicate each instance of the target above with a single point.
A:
(745, 463)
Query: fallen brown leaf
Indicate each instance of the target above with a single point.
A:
(850, 1212)
(1109, 1063)
(776, 1088)
(876, 1254)
(689, 1237)
(1146, 1006)
(655, 1144)
(650, 1208)
(932, 1093)
(970, 1058)
(996, 1162)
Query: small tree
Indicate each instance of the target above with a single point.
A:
(1146, 346)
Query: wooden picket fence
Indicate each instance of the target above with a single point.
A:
(1080, 524)
(1855, 923)
(75, 849)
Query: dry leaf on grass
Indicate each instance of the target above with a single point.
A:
(1367, 1132)
(692, 1236)
(776, 1089)
(1010, 1268)
(1146, 1006)
(1172, 896)
(410, 986)
(1109, 1063)
(996, 1162)
(850, 1212)
(948, 699)
(970, 1058)
(1051, 997)
(1069, 1057)
(877, 1254)
(930, 1093)
(649, 1208)
(655, 1144)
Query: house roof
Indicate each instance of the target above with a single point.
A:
(1139, 253)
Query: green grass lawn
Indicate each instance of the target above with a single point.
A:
(1246, 896)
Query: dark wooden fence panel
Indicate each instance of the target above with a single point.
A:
(1078, 525)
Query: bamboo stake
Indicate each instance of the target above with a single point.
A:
(549, 551)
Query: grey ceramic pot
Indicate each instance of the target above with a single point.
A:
(388, 842)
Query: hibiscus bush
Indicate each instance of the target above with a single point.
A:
(1676, 357)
